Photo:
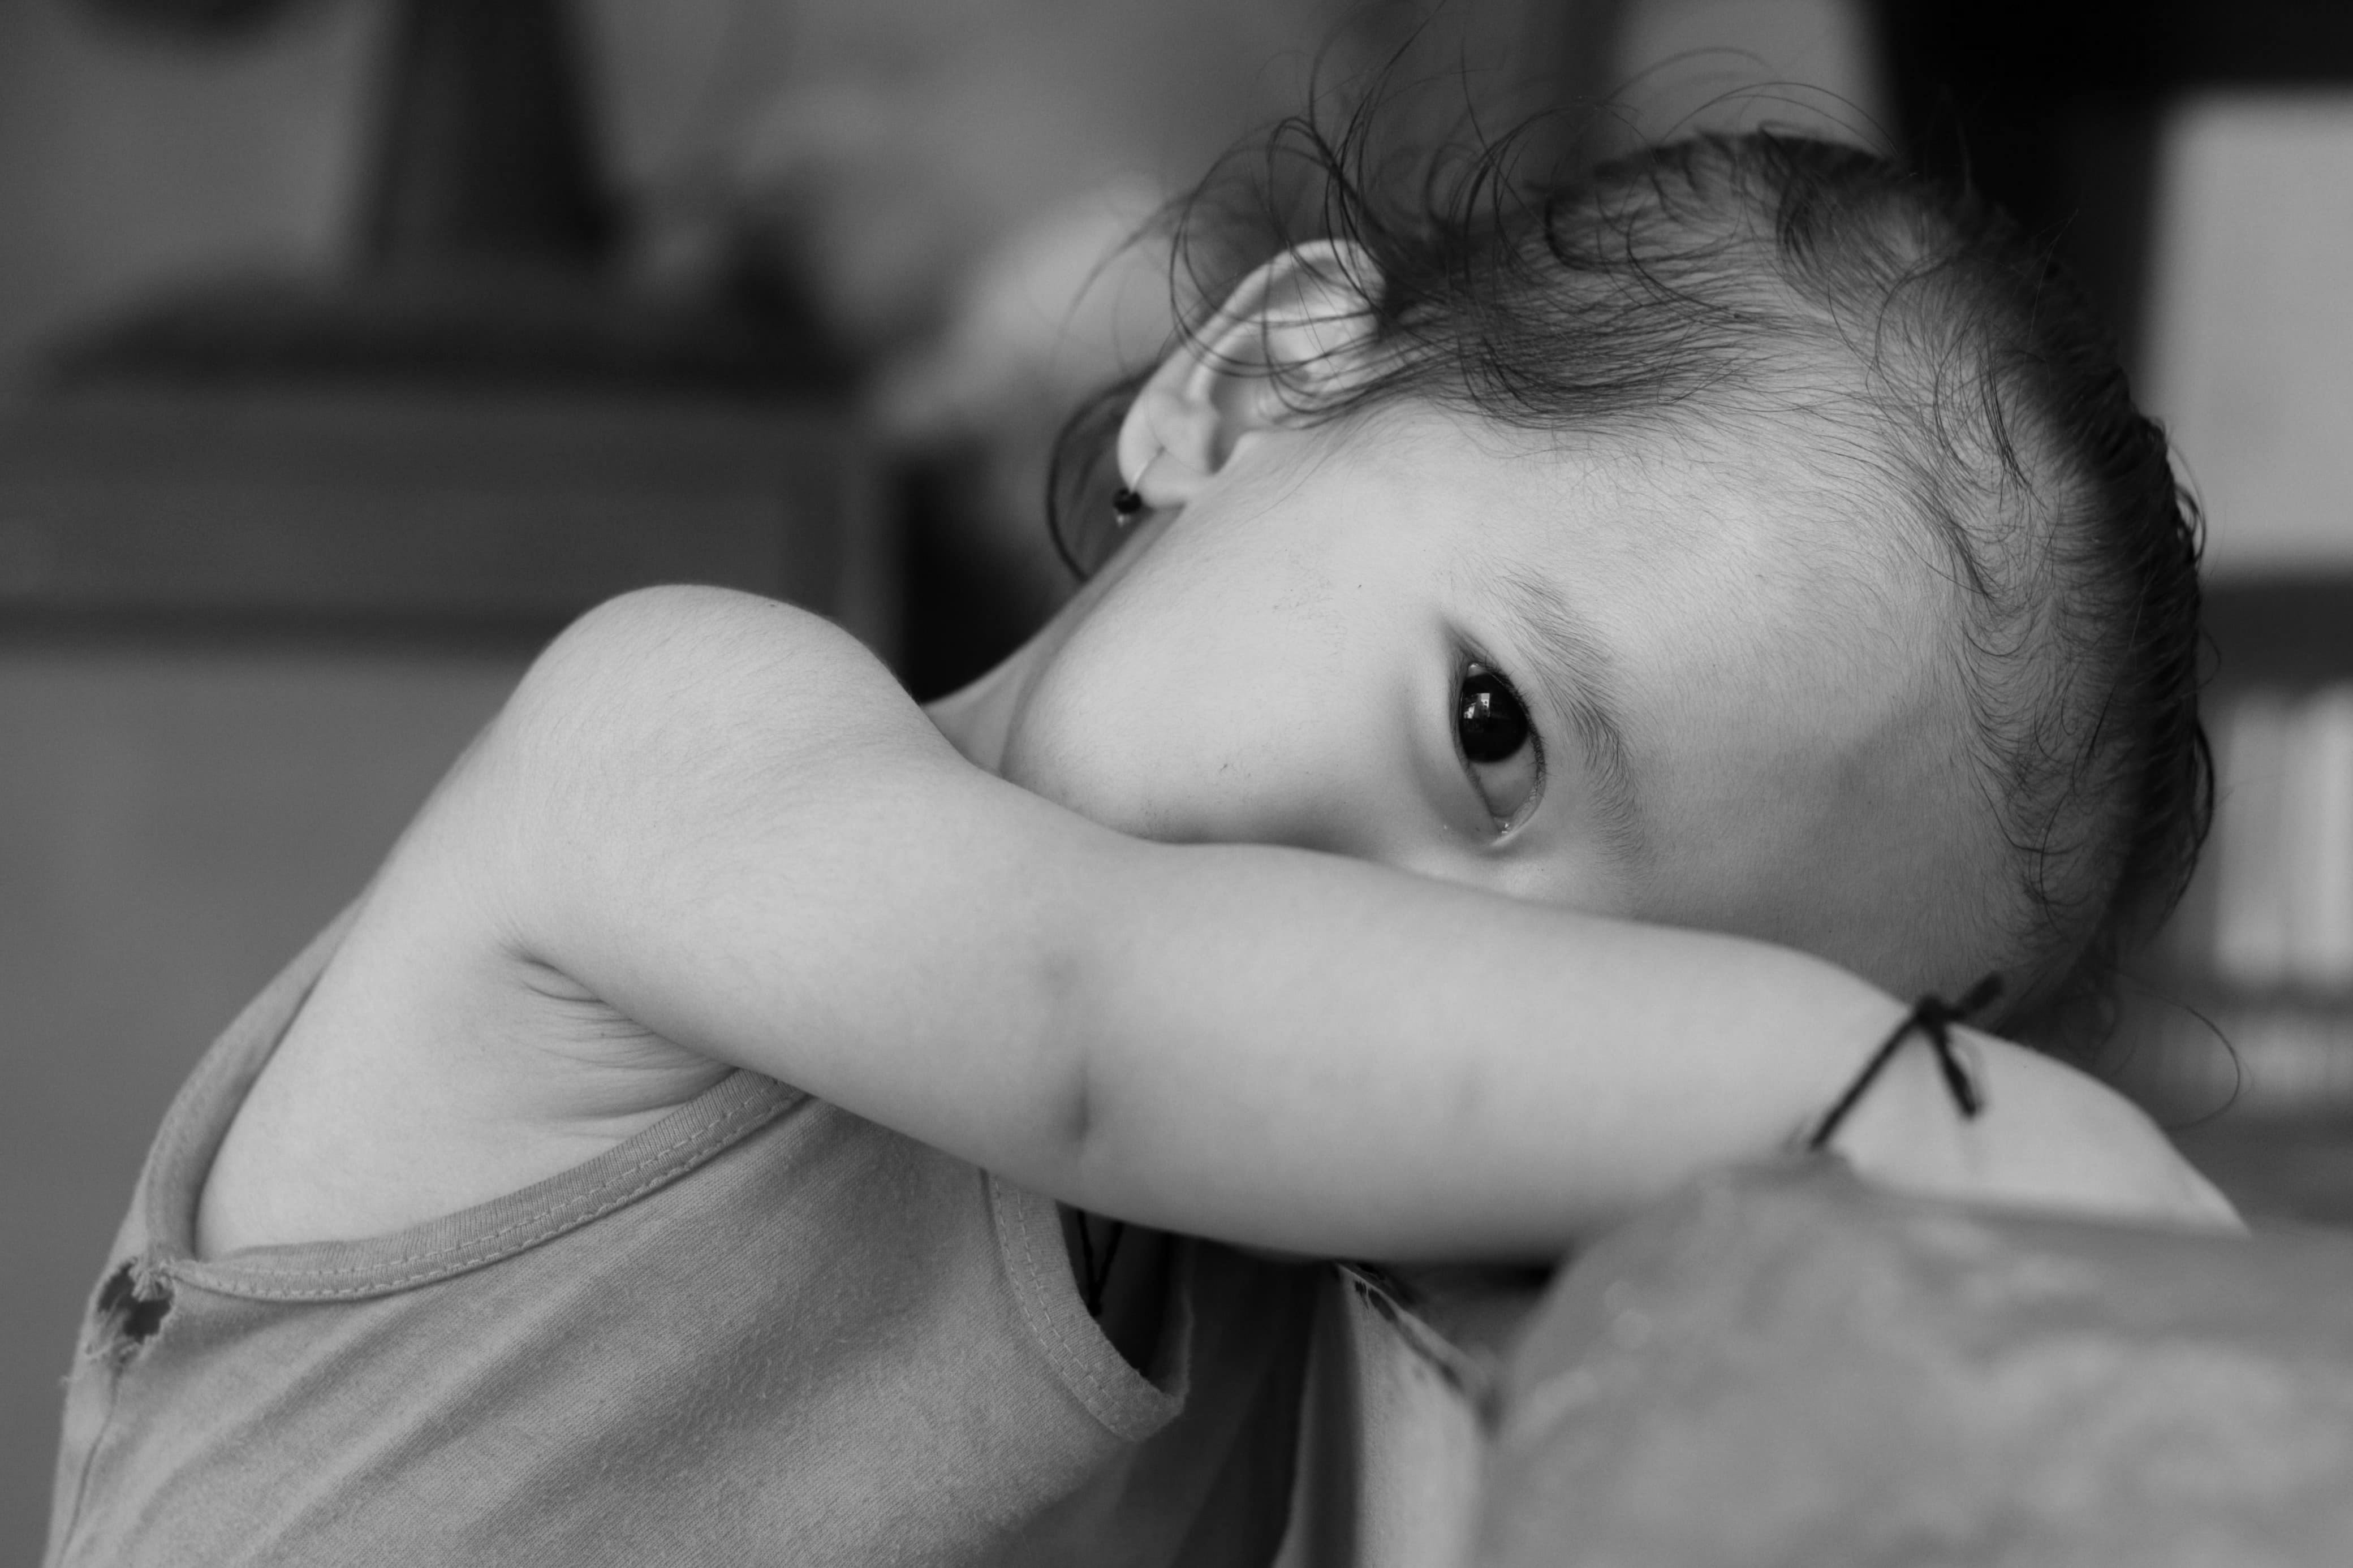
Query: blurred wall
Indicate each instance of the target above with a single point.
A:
(904, 136)
(127, 162)
(1736, 65)
(2251, 329)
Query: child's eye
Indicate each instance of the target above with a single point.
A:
(1499, 745)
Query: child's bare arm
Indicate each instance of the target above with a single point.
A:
(725, 819)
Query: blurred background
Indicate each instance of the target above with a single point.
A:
(348, 347)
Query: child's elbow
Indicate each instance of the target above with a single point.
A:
(671, 625)
(652, 656)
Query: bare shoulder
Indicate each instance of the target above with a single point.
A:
(697, 629)
(688, 750)
(445, 1024)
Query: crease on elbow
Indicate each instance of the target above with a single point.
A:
(1076, 1123)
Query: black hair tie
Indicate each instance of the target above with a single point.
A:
(1933, 1018)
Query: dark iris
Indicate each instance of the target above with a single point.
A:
(1489, 723)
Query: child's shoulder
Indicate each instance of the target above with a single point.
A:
(443, 1024)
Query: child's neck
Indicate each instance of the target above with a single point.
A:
(978, 720)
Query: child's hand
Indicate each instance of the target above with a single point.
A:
(2049, 1138)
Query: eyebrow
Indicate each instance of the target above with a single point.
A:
(1578, 673)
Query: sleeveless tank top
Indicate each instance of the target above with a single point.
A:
(761, 1330)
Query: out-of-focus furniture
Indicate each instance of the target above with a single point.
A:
(496, 511)
(2238, 1026)
(2055, 107)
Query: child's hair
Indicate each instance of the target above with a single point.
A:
(1771, 276)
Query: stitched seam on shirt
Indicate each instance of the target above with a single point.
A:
(680, 1147)
(378, 1286)
(678, 1153)
(1037, 1287)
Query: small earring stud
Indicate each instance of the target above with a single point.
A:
(1128, 501)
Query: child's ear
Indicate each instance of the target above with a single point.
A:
(1297, 334)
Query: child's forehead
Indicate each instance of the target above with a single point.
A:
(1770, 638)
(1756, 521)
(1762, 538)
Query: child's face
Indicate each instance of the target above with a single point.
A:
(1736, 712)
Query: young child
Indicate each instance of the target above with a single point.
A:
(1568, 673)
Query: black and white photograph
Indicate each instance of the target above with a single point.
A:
(1177, 783)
